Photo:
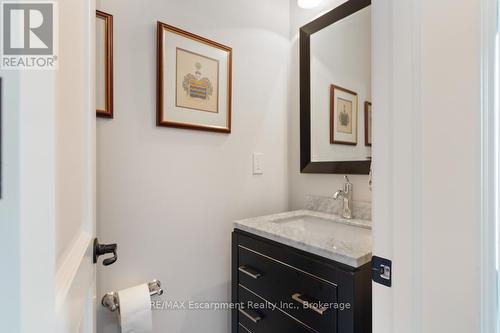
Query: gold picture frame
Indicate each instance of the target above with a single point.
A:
(194, 81)
(104, 65)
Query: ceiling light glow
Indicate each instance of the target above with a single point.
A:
(308, 3)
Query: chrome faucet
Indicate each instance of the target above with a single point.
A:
(346, 195)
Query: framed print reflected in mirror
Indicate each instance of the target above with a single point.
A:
(104, 65)
(343, 116)
(368, 124)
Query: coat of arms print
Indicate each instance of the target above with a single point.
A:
(197, 81)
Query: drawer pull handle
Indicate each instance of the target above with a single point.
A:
(254, 274)
(309, 304)
(254, 319)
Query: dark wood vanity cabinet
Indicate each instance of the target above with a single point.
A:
(278, 288)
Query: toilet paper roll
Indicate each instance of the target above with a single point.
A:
(135, 310)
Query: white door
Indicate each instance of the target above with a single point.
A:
(75, 169)
(427, 168)
(47, 209)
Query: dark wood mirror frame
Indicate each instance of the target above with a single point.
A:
(306, 166)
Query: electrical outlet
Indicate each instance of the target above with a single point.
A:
(258, 163)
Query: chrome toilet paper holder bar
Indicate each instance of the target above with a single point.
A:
(111, 302)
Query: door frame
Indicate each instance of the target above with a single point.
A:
(397, 205)
(489, 166)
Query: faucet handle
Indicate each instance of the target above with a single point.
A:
(347, 185)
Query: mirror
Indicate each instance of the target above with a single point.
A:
(335, 91)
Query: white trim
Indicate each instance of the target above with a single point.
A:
(488, 168)
(382, 95)
(72, 259)
(418, 167)
(398, 194)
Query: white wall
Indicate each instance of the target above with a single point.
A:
(301, 185)
(341, 54)
(450, 94)
(168, 196)
(427, 170)
(10, 304)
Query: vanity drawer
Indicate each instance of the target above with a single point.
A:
(263, 318)
(289, 287)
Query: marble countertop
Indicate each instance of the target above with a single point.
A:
(329, 236)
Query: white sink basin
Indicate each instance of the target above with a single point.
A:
(330, 236)
(319, 225)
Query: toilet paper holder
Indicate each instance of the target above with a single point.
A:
(111, 302)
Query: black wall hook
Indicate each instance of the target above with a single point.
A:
(101, 249)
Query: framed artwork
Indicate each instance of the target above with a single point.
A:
(104, 65)
(368, 124)
(194, 81)
(343, 116)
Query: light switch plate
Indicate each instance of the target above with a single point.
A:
(258, 163)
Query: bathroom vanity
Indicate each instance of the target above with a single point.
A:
(301, 271)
